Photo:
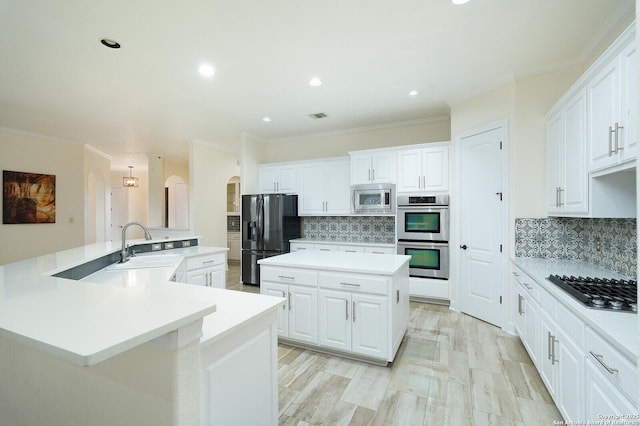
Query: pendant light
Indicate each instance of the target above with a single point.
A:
(130, 181)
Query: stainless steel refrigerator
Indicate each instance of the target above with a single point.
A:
(269, 221)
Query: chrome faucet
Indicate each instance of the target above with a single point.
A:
(124, 256)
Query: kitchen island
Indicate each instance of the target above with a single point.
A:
(352, 304)
(128, 346)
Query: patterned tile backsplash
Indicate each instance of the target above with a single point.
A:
(607, 243)
(357, 229)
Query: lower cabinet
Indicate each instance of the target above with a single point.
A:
(297, 318)
(585, 375)
(353, 322)
(347, 248)
(561, 369)
(603, 398)
(365, 315)
(208, 270)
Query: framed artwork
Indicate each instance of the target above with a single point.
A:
(28, 197)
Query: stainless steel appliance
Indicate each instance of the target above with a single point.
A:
(423, 217)
(269, 221)
(422, 227)
(428, 259)
(373, 198)
(600, 293)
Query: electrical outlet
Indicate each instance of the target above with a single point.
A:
(598, 244)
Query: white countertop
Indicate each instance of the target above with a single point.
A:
(106, 313)
(341, 243)
(618, 328)
(381, 264)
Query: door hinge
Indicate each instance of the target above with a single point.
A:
(501, 300)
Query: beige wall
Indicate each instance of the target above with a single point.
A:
(253, 151)
(173, 167)
(38, 154)
(211, 168)
(339, 144)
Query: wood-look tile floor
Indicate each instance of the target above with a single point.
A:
(451, 369)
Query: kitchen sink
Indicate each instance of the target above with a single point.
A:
(147, 261)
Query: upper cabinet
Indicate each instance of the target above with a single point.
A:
(424, 169)
(324, 188)
(592, 138)
(373, 166)
(567, 176)
(278, 178)
(613, 111)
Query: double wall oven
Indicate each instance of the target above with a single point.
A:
(423, 233)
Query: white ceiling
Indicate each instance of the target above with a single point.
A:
(57, 79)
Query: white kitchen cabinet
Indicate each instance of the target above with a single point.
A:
(567, 178)
(612, 110)
(373, 167)
(423, 170)
(334, 321)
(234, 244)
(353, 322)
(370, 325)
(207, 270)
(278, 178)
(526, 313)
(324, 188)
(603, 398)
(337, 246)
(362, 314)
(561, 366)
(298, 319)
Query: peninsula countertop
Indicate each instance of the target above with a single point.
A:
(88, 321)
(382, 264)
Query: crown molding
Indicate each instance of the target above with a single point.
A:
(360, 129)
(98, 152)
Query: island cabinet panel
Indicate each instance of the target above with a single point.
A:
(361, 315)
(297, 319)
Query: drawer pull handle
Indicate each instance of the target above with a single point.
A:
(520, 310)
(286, 277)
(325, 249)
(527, 286)
(377, 252)
(350, 251)
(351, 284)
(208, 261)
(515, 274)
(600, 359)
(353, 311)
(346, 308)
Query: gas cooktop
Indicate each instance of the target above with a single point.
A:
(601, 293)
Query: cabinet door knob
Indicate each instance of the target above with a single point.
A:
(464, 247)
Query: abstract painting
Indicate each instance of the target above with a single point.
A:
(28, 198)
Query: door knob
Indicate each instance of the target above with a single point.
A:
(463, 247)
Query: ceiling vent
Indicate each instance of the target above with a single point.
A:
(318, 115)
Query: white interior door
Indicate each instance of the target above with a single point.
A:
(482, 223)
(118, 212)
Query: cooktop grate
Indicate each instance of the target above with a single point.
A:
(600, 293)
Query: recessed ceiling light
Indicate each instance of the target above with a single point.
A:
(266, 119)
(315, 82)
(459, 1)
(414, 93)
(206, 70)
(110, 43)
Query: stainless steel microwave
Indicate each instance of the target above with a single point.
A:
(373, 199)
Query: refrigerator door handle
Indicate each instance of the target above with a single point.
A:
(260, 221)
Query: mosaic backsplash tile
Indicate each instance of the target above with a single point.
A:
(356, 229)
(607, 243)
